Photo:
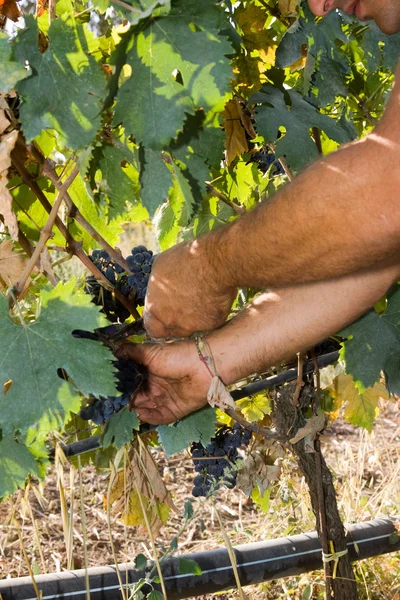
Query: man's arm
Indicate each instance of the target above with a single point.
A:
(340, 215)
(274, 328)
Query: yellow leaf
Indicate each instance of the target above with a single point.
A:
(255, 407)
(251, 19)
(289, 8)
(236, 141)
(362, 406)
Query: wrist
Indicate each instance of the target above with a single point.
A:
(216, 248)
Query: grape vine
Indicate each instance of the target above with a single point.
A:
(145, 124)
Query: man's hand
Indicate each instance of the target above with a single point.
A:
(177, 380)
(186, 291)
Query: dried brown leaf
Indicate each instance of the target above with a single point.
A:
(10, 10)
(310, 430)
(140, 486)
(260, 468)
(236, 141)
(12, 265)
(7, 144)
(219, 396)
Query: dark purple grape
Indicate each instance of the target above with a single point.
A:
(138, 249)
(138, 258)
(110, 274)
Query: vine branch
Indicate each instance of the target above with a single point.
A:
(49, 170)
(74, 246)
(46, 232)
(239, 210)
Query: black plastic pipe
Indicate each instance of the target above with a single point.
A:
(94, 442)
(262, 561)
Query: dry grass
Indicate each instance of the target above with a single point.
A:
(366, 470)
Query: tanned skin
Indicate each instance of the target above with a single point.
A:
(340, 215)
(327, 244)
(273, 328)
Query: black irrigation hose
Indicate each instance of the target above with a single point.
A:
(94, 442)
(258, 562)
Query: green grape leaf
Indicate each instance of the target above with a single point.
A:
(198, 149)
(119, 429)
(329, 62)
(188, 511)
(40, 398)
(197, 427)
(119, 178)
(167, 229)
(10, 71)
(140, 9)
(187, 566)
(185, 42)
(140, 562)
(182, 200)
(379, 49)
(155, 595)
(16, 463)
(297, 119)
(374, 346)
(97, 216)
(66, 87)
(155, 179)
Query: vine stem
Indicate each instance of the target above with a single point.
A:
(46, 232)
(74, 246)
(288, 171)
(49, 170)
(253, 427)
(322, 516)
(299, 382)
(239, 210)
(127, 6)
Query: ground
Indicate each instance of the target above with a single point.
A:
(366, 469)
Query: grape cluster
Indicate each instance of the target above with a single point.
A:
(265, 159)
(214, 464)
(130, 377)
(101, 297)
(132, 283)
(140, 262)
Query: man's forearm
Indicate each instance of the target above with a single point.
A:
(280, 324)
(340, 215)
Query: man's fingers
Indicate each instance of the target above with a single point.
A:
(153, 417)
(154, 327)
(136, 352)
